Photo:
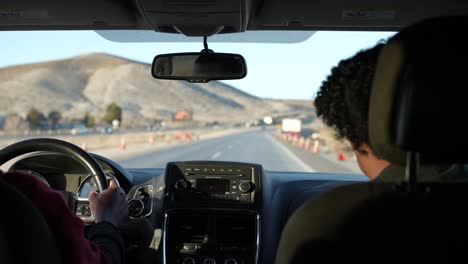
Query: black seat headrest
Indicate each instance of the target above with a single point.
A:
(419, 95)
(25, 236)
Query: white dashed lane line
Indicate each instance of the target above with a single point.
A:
(216, 155)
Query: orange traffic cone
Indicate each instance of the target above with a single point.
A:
(189, 135)
(316, 148)
(341, 157)
(301, 142)
(123, 144)
(295, 141)
(307, 144)
(84, 146)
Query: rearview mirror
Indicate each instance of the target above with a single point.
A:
(199, 66)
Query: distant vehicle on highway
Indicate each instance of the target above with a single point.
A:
(291, 125)
(79, 130)
(105, 130)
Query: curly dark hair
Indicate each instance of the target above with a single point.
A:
(343, 99)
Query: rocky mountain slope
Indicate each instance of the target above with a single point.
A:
(90, 82)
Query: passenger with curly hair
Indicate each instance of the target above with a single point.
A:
(342, 103)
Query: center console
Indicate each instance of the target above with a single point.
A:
(212, 213)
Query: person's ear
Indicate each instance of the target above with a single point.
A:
(362, 149)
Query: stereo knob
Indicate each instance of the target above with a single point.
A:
(188, 260)
(246, 187)
(209, 261)
(230, 261)
(181, 185)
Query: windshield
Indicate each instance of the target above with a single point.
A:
(99, 94)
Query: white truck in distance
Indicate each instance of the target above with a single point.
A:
(291, 125)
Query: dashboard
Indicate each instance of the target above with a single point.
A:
(212, 212)
(194, 211)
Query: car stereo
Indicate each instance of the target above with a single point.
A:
(215, 182)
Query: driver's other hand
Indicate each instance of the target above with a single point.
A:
(109, 205)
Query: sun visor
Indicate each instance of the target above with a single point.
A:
(420, 91)
(196, 18)
(132, 36)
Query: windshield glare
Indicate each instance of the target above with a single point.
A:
(100, 95)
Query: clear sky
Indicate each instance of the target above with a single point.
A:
(289, 71)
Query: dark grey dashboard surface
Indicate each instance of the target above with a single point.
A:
(142, 176)
(282, 193)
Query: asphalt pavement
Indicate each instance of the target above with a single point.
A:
(253, 146)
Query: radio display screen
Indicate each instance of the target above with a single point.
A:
(214, 186)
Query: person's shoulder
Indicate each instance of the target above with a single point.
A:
(431, 173)
(392, 173)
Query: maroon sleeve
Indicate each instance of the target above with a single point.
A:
(65, 226)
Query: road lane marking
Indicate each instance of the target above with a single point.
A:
(293, 156)
(216, 155)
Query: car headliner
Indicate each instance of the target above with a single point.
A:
(263, 14)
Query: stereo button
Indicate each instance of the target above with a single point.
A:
(246, 187)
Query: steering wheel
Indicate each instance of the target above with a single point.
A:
(79, 207)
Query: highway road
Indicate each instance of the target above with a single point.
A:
(253, 146)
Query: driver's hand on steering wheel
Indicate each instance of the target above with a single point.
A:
(109, 205)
